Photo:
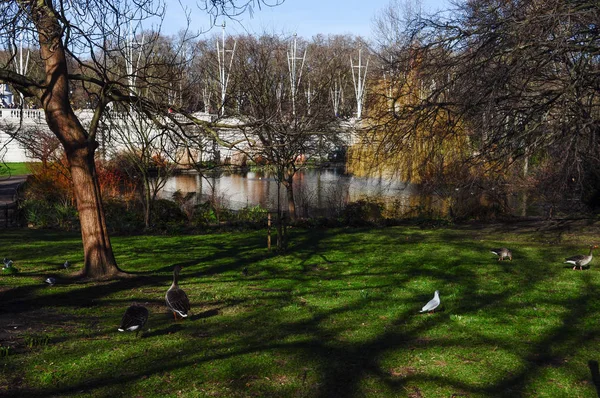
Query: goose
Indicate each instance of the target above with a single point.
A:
(134, 319)
(433, 303)
(502, 253)
(580, 260)
(176, 299)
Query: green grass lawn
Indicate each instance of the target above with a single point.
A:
(337, 315)
(14, 169)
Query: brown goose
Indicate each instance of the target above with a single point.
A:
(176, 299)
(580, 260)
(502, 253)
(134, 319)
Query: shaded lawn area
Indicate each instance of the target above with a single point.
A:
(337, 315)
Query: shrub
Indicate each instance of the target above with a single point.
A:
(167, 215)
(362, 212)
(253, 214)
(40, 213)
(123, 217)
(204, 214)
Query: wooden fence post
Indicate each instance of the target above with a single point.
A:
(269, 231)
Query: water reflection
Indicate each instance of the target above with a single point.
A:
(317, 192)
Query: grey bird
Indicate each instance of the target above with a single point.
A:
(176, 299)
(134, 319)
(66, 264)
(50, 280)
(433, 303)
(580, 260)
(502, 253)
(7, 263)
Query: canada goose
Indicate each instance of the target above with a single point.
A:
(502, 253)
(176, 299)
(580, 260)
(134, 319)
(433, 303)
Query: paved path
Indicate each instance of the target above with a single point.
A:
(8, 188)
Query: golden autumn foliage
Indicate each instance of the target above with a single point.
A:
(396, 139)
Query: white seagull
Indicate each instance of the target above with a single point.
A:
(433, 303)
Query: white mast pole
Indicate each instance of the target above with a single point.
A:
(336, 96)
(359, 79)
(295, 74)
(224, 67)
(21, 68)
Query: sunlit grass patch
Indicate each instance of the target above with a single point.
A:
(336, 315)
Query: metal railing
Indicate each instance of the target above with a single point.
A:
(9, 211)
(16, 113)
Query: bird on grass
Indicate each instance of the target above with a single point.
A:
(245, 271)
(580, 260)
(176, 299)
(8, 267)
(134, 319)
(66, 264)
(502, 253)
(433, 303)
(50, 280)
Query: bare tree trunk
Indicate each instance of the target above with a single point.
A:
(289, 188)
(79, 147)
(147, 201)
(97, 250)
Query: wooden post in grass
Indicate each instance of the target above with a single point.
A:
(269, 231)
(284, 231)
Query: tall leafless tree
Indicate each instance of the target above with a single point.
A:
(281, 127)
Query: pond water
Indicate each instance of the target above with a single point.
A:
(318, 192)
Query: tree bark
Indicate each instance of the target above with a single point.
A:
(78, 145)
(99, 260)
(289, 188)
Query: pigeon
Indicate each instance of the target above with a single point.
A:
(433, 303)
(8, 267)
(245, 271)
(502, 253)
(50, 280)
(134, 319)
(66, 264)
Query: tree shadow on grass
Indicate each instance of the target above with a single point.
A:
(205, 314)
(163, 331)
(342, 363)
(594, 371)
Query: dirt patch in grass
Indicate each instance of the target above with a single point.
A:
(403, 371)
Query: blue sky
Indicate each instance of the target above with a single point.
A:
(305, 17)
